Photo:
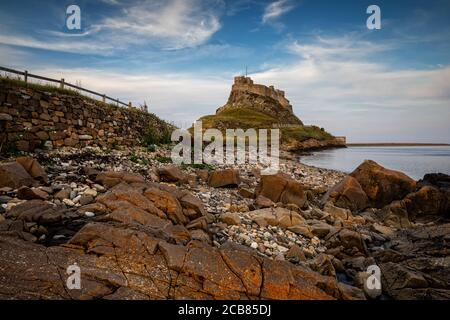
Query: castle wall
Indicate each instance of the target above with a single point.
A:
(32, 119)
(246, 84)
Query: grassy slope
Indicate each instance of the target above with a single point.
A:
(246, 118)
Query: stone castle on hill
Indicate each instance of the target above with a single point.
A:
(266, 99)
(245, 84)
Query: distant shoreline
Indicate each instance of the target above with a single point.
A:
(395, 144)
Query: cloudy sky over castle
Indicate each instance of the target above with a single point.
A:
(180, 56)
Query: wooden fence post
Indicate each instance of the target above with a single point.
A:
(117, 102)
(25, 76)
(129, 105)
(62, 83)
(104, 98)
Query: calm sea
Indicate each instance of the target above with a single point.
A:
(414, 161)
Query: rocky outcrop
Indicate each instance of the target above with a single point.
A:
(265, 99)
(282, 188)
(347, 194)
(256, 106)
(142, 247)
(224, 178)
(13, 175)
(415, 264)
(120, 263)
(381, 185)
(310, 144)
(171, 174)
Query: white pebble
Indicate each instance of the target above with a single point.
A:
(69, 202)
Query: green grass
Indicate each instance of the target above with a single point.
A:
(246, 118)
(197, 166)
(163, 159)
(304, 133)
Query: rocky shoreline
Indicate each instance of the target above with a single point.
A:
(141, 228)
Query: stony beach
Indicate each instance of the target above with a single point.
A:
(310, 226)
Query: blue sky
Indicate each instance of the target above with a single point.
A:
(180, 57)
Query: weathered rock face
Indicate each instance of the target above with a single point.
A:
(282, 188)
(427, 200)
(381, 185)
(171, 174)
(276, 217)
(224, 178)
(347, 194)
(33, 168)
(313, 144)
(111, 178)
(426, 204)
(438, 180)
(245, 93)
(416, 264)
(13, 175)
(32, 118)
(36, 211)
(118, 263)
(142, 248)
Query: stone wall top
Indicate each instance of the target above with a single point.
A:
(246, 84)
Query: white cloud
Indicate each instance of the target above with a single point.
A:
(335, 83)
(175, 24)
(276, 9)
(62, 45)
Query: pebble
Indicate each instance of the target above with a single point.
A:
(76, 199)
(89, 214)
(69, 202)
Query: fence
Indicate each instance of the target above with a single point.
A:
(63, 84)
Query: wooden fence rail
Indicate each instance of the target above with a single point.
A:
(63, 84)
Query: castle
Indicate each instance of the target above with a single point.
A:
(245, 84)
(266, 99)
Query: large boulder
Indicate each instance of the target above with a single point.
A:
(224, 178)
(37, 211)
(171, 174)
(167, 203)
(282, 188)
(381, 185)
(276, 217)
(428, 200)
(395, 215)
(438, 180)
(347, 194)
(33, 168)
(427, 203)
(13, 175)
(113, 178)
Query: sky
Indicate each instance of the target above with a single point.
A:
(180, 57)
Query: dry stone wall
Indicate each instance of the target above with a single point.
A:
(31, 119)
